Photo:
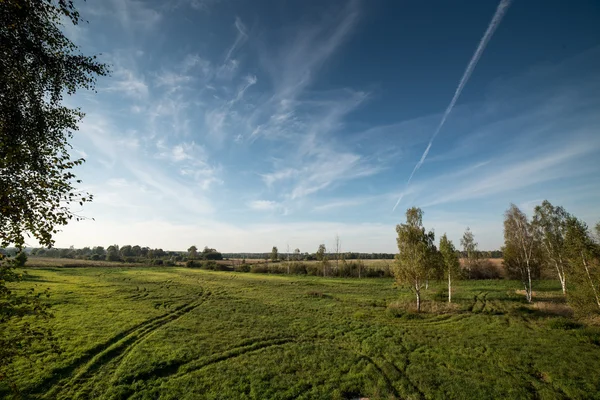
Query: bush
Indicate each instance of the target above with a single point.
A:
(157, 262)
(212, 255)
(20, 259)
(259, 269)
(297, 268)
(315, 269)
(192, 264)
(484, 269)
(95, 257)
(242, 268)
(210, 265)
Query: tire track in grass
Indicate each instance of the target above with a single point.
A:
(385, 377)
(84, 380)
(432, 322)
(479, 302)
(404, 374)
(59, 373)
(182, 368)
(113, 348)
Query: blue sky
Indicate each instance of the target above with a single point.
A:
(245, 125)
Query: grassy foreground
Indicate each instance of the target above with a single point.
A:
(176, 333)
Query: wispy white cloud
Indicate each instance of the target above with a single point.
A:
(264, 205)
(329, 168)
(182, 152)
(135, 14)
(343, 203)
(241, 38)
(128, 82)
(283, 174)
(512, 172)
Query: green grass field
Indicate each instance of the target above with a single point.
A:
(176, 333)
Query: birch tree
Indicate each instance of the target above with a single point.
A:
(412, 263)
(519, 246)
(469, 246)
(551, 224)
(451, 264)
(583, 256)
(337, 247)
(39, 66)
(288, 258)
(322, 257)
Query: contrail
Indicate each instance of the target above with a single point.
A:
(500, 11)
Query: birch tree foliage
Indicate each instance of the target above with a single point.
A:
(39, 65)
(520, 248)
(584, 261)
(469, 246)
(551, 224)
(412, 266)
(451, 263)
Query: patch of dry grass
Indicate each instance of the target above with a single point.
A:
(552, 308)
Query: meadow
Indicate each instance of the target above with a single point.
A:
(179, 333)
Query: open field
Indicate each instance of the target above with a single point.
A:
(177, 333)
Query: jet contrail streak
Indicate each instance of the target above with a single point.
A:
(500, 11)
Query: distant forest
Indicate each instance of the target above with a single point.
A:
(138, 253)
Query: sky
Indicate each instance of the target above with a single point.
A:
(242, 125)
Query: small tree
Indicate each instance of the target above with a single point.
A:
(337, 248)
(274, 253)
(126, 251)
(451, 263)
(520, 247)
(20, 259)
(469, 246)
(112, 253)
(322, 257)
(415, 247)
(192, 252)
(551, 224)
(583, 257)
(136, 250)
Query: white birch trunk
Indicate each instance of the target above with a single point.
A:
(449, 289)
(418, 290)
(587, 271)
(529, 291)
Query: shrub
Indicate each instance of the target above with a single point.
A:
(259, 269)
(242, 268)
(157, 262)
(20, 259)
(298, 268)
(95, 257)
(314, 269)
(484, 269)
(192, 264)
(210, 265)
